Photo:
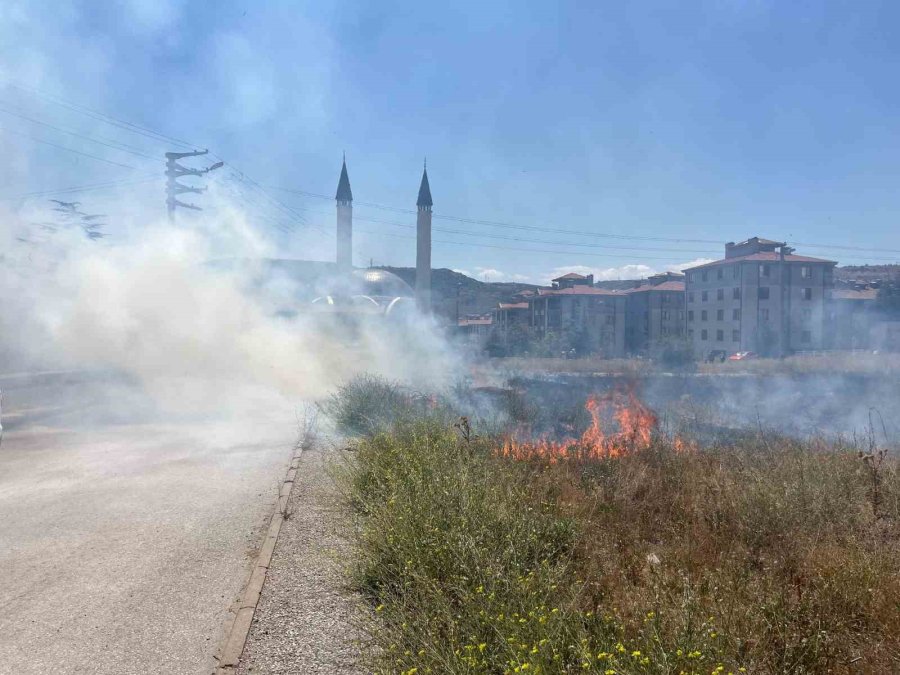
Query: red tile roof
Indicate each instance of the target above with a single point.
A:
(570, 275)
(762, 256)
(577, 290)
(664, 286)
(853, 294)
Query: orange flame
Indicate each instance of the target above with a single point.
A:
(635, 421)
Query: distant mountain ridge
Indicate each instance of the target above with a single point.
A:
(475, 297)
(867, 273)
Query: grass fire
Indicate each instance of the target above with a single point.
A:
(616, 551)
(635, 426)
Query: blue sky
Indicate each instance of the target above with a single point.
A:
(705, 121)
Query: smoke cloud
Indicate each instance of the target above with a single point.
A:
(196, 335)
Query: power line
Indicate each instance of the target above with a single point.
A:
(162, 137)
(536, 241)
(103, 117)
(158, 137)
(530, 250)
(63, 147)
(240, 175)
(581, 233)
(82, 188)
(106, 142)
(496, 223)
(687, 252)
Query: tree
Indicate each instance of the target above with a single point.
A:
(888, 299)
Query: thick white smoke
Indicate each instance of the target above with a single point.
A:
(191, 333)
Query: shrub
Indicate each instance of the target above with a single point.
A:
(766, 556)
(368, 404)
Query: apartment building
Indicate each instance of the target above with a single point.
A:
(510, 314)
(852, 317)
(571, 280)
(654, 313)
(593, 316)
(760, 297)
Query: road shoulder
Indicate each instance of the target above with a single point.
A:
(307, 620)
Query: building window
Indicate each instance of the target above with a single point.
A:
(703, 334)
(691, 333)
(736, 315)
(665, 315)
(610, 318)
(690, 315)
(806, 293)
(764, 270)
(704, 275)
(735, 271)
(720, 294)
(805, 337)
(719, 273)
(705, 296)
(763, 293)
(703, 315)
(736, 293)
(691, 277)
(690, 296)
(805, 272)
(720, 335)
(735, 336)
(720, 315)
(764, 314)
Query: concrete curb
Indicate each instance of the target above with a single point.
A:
(230, 653)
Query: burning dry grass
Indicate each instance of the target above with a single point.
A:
(635, 425)
(771, 557)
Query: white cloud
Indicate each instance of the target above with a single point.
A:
(691, 263)
(489, 274)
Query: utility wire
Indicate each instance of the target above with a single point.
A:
(114, 144)
(63, 147)
(81, 188)
(560, 243)
(535, 241)
(240, 175)
(161, 137)
(103, 117)
(516, 248)
(581, 233)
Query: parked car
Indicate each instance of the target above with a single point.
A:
(743, 356)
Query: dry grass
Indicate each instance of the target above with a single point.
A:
(773, 557)
(864, 363)
(589, 364)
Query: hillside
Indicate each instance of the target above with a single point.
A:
(867, 273)
(475, 297)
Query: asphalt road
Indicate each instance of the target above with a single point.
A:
(125, 537)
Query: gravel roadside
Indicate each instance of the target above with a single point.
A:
(307, 620)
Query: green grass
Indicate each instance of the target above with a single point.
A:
(831, 362)
(774, 557)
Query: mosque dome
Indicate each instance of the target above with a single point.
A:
(377, 283)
